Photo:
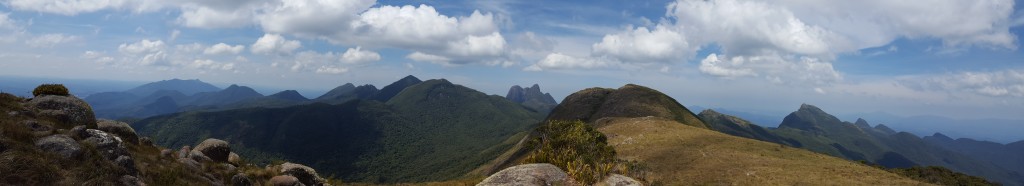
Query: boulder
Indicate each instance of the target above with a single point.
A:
(619, 180)
(121, 129)
(110, 146)
(189, 163)
(184, 151)
(199, 157)
(529, 174)
(78, 132)
(241, 179)
(285, 180)
(217, 150)
(146, 141)
(305, 174)
(127, 163)
(67, 109)
(61, 145)
(128, 180)
(234, 159)
(165, 153)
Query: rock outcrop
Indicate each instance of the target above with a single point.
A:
(529, 174)
(215, 149)
(305, 174)
(121, 129)
(68, 109)
(61, 145)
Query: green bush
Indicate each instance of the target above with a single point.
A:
(50, 89)
(574, 146)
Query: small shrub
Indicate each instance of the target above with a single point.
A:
(576, 147)
(50, 89)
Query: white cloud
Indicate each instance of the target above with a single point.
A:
(174, 35)
(198, 16)
(994, 83)
(222, 48)
(562, 61)
(331, 70)
(359, 56)
(144, 46)
(775, 68)
(206, 64)
(419, 56)
(645, 46)
(50, 40)
(274, 44)
(66, 7)
(322, 63)
(312, 18)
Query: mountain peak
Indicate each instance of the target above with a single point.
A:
(393, 89)
(885, 129)
(942, 137)
(809, 118)
(709, 112)
(187, 87)
(591, 104)
(862, 123)
(289, 95)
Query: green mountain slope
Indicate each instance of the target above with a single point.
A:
(431, 131)
(821, 132)
(393, 89)
(187, 87)
(630, 100)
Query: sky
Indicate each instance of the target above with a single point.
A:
(951, 58)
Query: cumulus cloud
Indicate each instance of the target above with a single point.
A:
(50, 40)
(144, 46)
(207, 64)
(330, 62)
(66, 7)
(642, 45)
(562, 61)
(359, 56)
(772, 67)
(308, 17)
(758, 38)
(274, 44)
(222, 48)
(1004, 83)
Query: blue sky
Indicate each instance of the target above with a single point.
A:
(954, 58)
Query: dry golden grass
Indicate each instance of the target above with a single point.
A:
(677, 154)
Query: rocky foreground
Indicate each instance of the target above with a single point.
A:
(55, 139)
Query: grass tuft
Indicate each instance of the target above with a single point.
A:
(50, 89)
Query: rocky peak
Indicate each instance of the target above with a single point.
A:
(942, 137)
(862, 123)
(809, 118)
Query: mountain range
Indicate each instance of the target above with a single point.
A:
(813, 129)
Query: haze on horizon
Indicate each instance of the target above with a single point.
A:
(952, 58)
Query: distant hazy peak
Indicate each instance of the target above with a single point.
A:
(809, 118)
(187, 87)
(411, 78)
(885, 129)
(289, 95)
(941, 136)
(519, 94)
(389, 91)
(862, 123)
(709, 112)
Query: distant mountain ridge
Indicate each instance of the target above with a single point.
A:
(430, 131)
(819, 131)
(532, 98)
(187, 87)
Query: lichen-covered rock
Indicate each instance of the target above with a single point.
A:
(78, 132)
(68, 109)
(529, 174)
(121, 129)
(241, 179)
(110, 146)
(37, 129)
(619, 180)
(305, 174)
(285, 180)
(215, 149)
(61, 145)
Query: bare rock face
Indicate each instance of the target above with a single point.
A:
(68, 109)
(619, 180)
(217, 150)
(121, 129)
(285, 180)
(60, 144)
(241, 179)
(234, 159)
(529, 174)
(305, 174)
(110, 146)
